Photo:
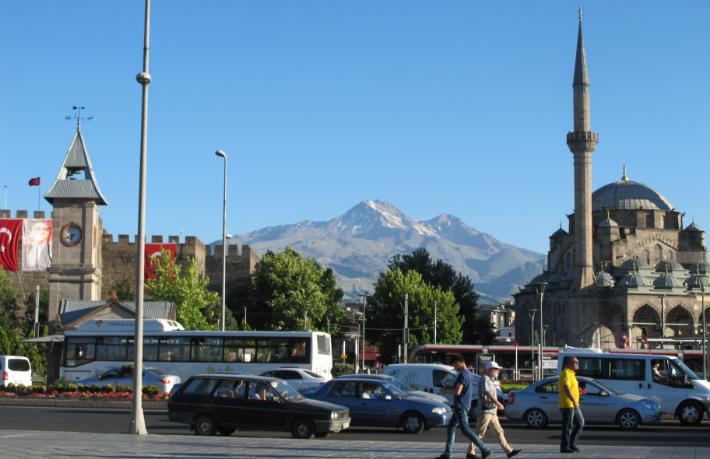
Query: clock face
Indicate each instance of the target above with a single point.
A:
(71, 235)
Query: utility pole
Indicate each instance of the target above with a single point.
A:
(531, 313)
(37, 313)
(364, 319)
(405, 330)
(434, 321)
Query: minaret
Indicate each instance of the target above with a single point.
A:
(582, 142)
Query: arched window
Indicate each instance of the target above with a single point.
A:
(658, 255)
(648, 256)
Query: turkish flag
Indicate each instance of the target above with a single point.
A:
(34, 181)
(153, 250)
(10, 234)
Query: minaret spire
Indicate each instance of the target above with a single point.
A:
(582, 142)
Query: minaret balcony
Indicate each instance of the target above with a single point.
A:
(582, 141)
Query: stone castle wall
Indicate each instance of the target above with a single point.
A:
(119, 261)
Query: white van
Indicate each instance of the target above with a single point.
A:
(434, 378)
(662, 378)
(15, 370)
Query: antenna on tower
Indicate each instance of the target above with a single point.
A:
(77, 116)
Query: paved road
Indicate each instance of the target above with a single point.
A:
(116, 421)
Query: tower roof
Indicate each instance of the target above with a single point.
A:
(581, 75)
(76, 161)
(628, 195)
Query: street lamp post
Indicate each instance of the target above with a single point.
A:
(364, 319)
(225, 249)
(705, 329)
(541, 290)
(137, 425)
(405, 330)
(531, 313)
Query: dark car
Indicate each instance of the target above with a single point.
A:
(212, 403)
(381, 403)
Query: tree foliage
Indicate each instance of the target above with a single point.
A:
(440, 274)
(124, 290)
(386, 317)
(197, 307)
(290, 292)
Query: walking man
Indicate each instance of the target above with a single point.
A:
(572, 419)
(488, 410)
(463, 393)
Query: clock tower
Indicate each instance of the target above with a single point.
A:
(75, 196)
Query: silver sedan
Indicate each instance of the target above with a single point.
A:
(537, 405)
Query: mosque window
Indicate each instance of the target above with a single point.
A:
(658, 254)
(648, 256)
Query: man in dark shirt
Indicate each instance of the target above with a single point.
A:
(463, 395)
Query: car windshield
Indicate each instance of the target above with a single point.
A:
(684, 368)
(310, 373)
(286, 391)
(392, 389)
(399, 384)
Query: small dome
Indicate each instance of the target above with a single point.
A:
(634, 264)
(694, 228)
(669, 266)
(634, 280)
(698, 280)
(628, 195)
(608, 223)
(666, 280)
(604, 280)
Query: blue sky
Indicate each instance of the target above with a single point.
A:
(458, 107)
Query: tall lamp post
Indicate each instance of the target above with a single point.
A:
(137, 425)
(531, 313)
(364, 319)
(541, 291)
(225, 249)
(705, 330)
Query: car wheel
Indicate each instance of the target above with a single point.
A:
(690, 413)
(628, 419)
(302, 428)
(226, 431)
(205, 425)
(535, 418)
(412, 422)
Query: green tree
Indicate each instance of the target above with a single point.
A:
(197, 307)
(386, 318)
(291, 292)
(29, 319)
(124, 290)
(442, 275)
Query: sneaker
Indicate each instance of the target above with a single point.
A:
(567, 450)
(485, 454)
(574, 448)
(444, 456)
(471, 456)
(515, 452)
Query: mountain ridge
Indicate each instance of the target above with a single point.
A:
(358, 245)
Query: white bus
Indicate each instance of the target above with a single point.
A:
(99, 345)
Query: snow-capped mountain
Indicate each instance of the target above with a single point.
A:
(358, 244)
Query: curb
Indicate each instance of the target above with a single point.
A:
(161, 405)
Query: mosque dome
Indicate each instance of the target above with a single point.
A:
(628, 195)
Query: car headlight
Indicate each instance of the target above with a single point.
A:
(439, 410)
(333, 415)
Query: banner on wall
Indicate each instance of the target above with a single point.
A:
(36, 244)
(153, 250)
(10, 235)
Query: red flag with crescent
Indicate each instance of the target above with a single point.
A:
(154, 250)
(10, 234)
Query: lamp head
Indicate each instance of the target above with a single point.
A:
(221, 154)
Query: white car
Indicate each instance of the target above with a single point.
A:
(299, 378)
(15, 370)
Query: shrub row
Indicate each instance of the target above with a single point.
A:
(61, 388)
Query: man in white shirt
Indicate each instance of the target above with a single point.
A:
(489, 405)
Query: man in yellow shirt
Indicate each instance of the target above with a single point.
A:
(572, 419)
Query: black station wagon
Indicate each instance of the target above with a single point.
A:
(212, 403)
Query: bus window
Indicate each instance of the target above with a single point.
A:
(299, 350)
(111, 348)
(80, 350)
(281, 351)
(264, 351)
(249, 354)
(323, 345)
(206, 349)
(174, 348)
(233, 350)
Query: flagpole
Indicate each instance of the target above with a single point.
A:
(39, 187)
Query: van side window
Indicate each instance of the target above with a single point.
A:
(439, 378)
(667, 373)
(590, 367)
(628, 369)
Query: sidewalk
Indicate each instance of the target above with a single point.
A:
(19, 444)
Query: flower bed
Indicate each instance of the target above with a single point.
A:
(74, 391)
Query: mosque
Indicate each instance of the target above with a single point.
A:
(628, 272)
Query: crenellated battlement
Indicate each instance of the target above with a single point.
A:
(7, 213)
